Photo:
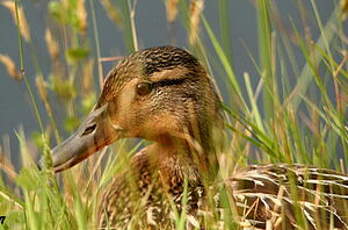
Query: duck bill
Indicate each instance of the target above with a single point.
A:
(94, 134)
(72, 151)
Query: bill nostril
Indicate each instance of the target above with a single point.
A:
(89, 129)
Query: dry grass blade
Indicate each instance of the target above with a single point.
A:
(87, 80)
(23, 25)
(112, 12)
(52, 45)
(344, 7)
(82, 15)
(110, 59)
(196, 9)
(342, 63)
(41, 86)
(6, 165)
(172, 10)
(10, 67)
(7, 197)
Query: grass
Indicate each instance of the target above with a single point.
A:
(280, 118)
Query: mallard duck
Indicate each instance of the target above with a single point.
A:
(166, 96)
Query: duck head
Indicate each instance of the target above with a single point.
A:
(160, 94)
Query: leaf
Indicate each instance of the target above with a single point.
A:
(77, 54)
(28, 180)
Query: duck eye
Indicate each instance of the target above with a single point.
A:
(89, 129)
(144, 88)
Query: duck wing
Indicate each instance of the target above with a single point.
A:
(290, 197)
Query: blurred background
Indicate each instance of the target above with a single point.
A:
(240, 43)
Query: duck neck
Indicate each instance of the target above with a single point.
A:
(194, 148)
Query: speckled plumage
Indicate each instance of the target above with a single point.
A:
(144, 193)
(179, 111)
(264, 194)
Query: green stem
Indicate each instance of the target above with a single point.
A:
(26, 82)
(97, 44)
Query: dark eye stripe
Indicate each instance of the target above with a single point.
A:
(169, 82)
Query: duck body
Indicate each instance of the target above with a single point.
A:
(284, 196)
(261, 193)
(149, 195)
(164, 95)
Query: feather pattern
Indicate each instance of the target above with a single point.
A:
(283, 195)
